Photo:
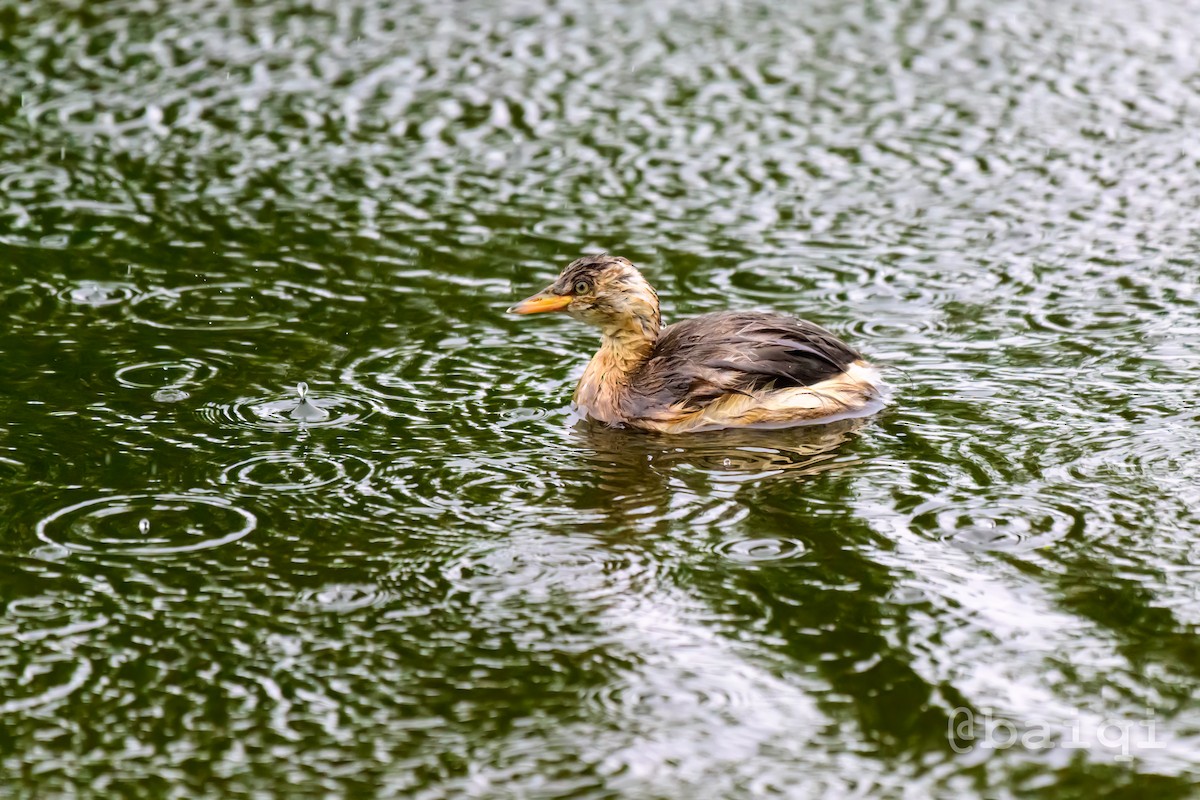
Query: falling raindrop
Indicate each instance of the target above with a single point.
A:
(144, 526)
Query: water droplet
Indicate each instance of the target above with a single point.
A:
(170, 395)
(144, 526)
(305, 410)
(282, 412)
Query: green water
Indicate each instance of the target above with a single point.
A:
(447, 588)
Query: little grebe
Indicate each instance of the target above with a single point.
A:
(723, 370)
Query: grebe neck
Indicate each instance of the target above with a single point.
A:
(605, 382)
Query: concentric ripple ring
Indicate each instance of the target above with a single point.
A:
(282, 471)
(762, 551)
(134, 525)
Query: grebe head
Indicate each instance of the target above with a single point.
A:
(604, 291)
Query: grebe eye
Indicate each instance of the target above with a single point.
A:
(582, 287)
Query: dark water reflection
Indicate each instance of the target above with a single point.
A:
(444, 587)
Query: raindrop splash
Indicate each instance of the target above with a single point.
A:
(306, 410)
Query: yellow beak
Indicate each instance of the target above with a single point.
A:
(541, 303)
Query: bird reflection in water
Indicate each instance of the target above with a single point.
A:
(650, 473)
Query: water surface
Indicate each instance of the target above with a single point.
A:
(443, 587)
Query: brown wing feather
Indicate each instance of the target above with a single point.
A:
(699, 360)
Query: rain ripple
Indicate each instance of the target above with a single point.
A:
(457, 372)
(340, 598)
(289, 471)
(762, 551)
(538, 567)
(229, 306)
(984, 524)
(98, 294)
(491, 493)
(275, 413)
(170, 380)
(146, 525)
(39, 301)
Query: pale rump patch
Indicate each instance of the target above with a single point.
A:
(857, 390)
